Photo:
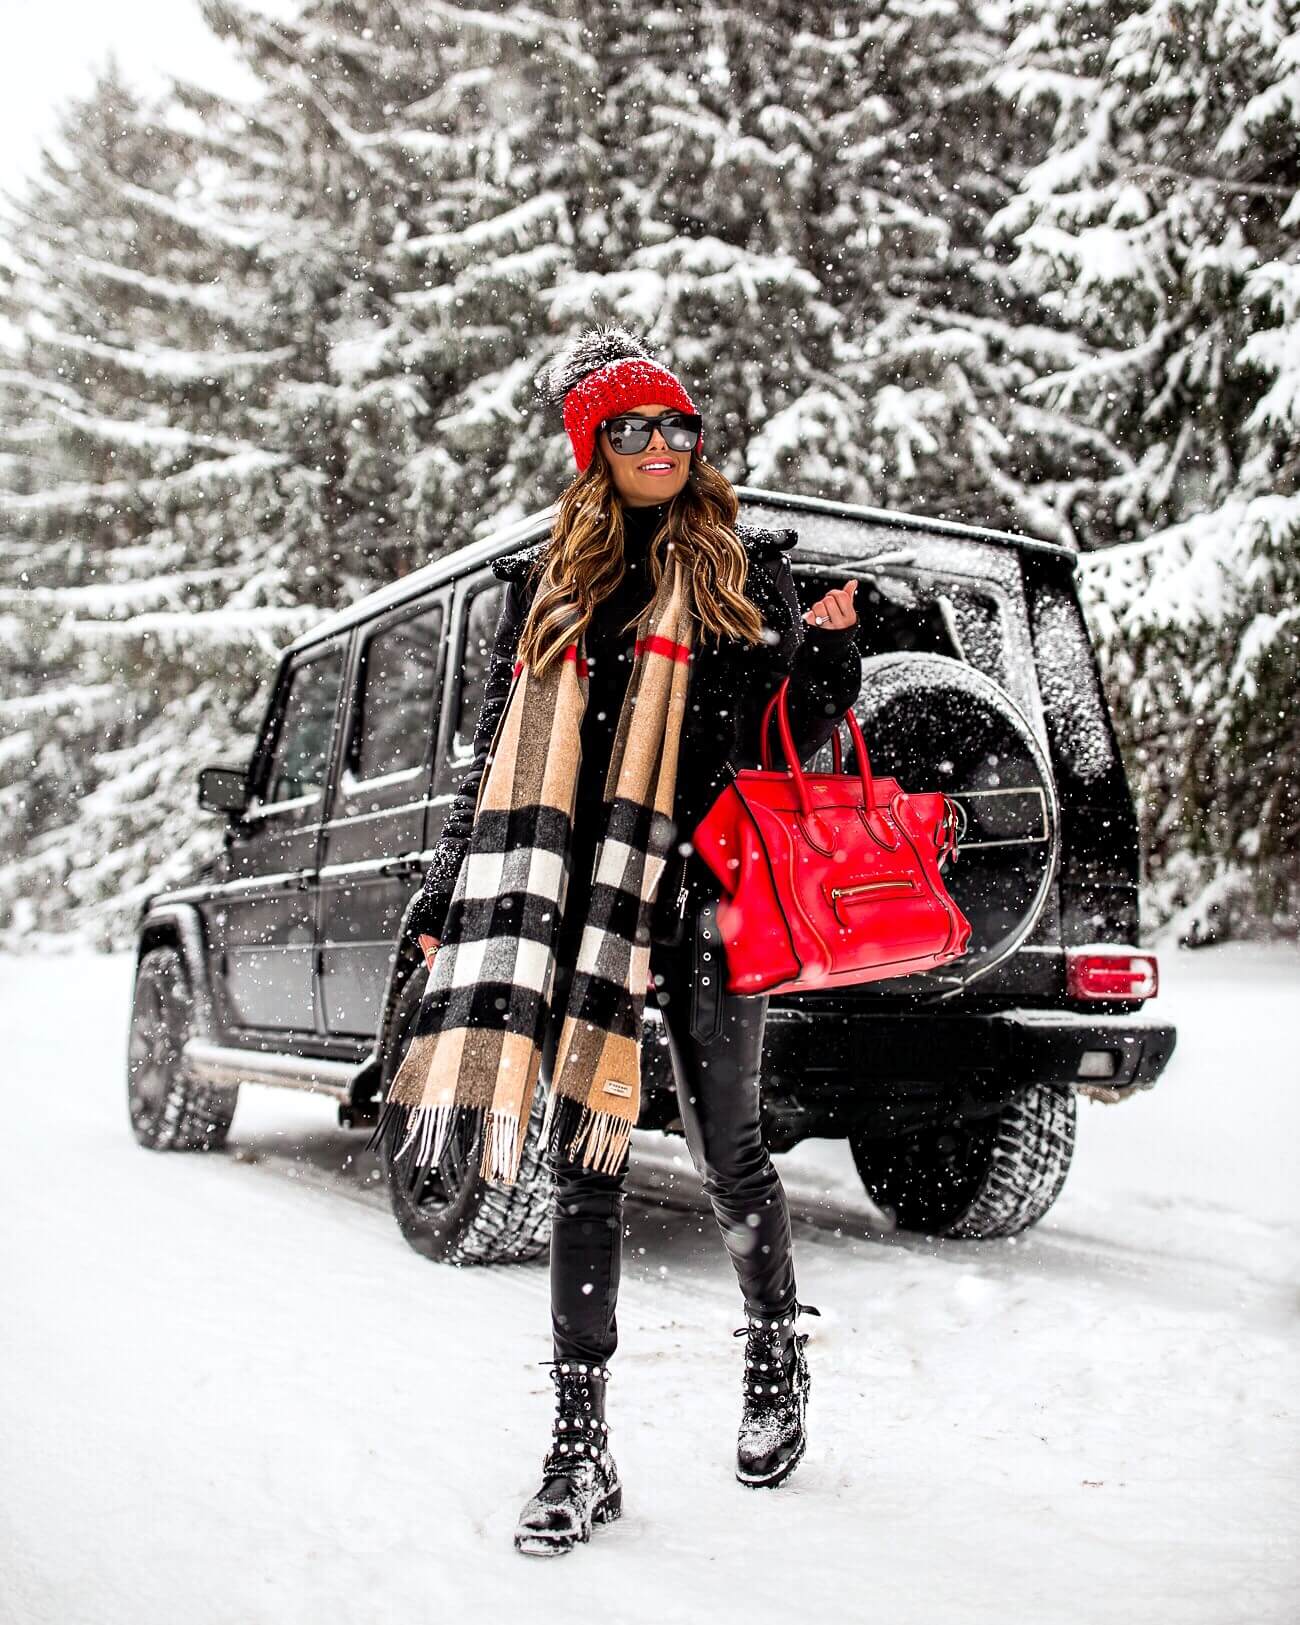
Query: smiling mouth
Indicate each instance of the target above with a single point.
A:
(659, 467)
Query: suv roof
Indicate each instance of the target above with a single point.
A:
(534, 525)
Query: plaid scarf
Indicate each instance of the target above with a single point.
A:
(477, 1044)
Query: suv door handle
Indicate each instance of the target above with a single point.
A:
(303, 879)
(404, 866)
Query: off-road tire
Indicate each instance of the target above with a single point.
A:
(941, 724)
(459, 1217)
(168, 1109)
(980, 1179)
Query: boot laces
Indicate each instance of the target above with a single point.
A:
(773, 1350)
(576, 1434)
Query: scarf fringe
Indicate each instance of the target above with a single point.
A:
(429, 1128)
(393, 1112)
(572, 1132)
(502, 1148)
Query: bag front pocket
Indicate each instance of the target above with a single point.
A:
(845, 900)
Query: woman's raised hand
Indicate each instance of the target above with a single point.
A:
(836, 608)
(428, 947)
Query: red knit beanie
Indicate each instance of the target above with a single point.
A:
(603, 372)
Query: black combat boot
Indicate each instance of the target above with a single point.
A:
(580, 1484)
(772, 1425)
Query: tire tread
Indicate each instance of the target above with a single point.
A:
(195, 1116)
(499, 1224)
(512, 1223)
(1028, 1167)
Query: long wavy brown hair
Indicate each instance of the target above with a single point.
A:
(584, 563)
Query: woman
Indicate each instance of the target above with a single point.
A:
(635, 652)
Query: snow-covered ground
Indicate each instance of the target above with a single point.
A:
(231, 1393)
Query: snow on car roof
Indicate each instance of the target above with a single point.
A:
(528, 529)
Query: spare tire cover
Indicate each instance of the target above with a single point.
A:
(935, 723)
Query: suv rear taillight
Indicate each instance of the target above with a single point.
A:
(1110, 973)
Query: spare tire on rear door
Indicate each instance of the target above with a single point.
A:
(934, 723)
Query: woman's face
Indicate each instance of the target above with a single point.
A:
(653, 475)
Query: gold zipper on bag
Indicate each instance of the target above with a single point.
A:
(872, 885)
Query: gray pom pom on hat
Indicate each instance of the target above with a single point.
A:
(595, 347)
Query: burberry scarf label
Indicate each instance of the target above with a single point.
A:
(475, 1054)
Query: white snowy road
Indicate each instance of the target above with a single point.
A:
(230, 1393)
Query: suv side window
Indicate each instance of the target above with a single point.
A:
(397, 697)
(482, 611)
(300, 756)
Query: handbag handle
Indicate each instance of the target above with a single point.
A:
(838, 763)
(780, 704)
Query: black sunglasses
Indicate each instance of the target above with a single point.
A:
(630, 432)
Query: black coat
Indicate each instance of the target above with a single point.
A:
(731, 683)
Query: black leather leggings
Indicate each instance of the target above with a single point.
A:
(715, 1043)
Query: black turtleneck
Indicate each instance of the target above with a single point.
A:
(609, 665)
(640, 526)
(609, 648)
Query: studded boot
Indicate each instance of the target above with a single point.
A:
(773, 1433)
(580, 1483)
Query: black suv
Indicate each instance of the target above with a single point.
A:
(280, 962)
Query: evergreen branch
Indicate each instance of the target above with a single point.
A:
(172, 366)
(1219, 183)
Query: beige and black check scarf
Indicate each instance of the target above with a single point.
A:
(478, 1037)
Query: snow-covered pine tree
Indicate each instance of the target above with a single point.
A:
(155, 536)
(809, 186)
(274, 355)
(295, 340)
(1162, 231)
(407, 134)
(790, 205)
(222, 415)
(530, 168)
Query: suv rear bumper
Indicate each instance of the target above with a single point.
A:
(1062, 1047)
(837, 1074)
(1019, 1046)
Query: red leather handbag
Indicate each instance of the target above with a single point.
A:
(830, 879)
